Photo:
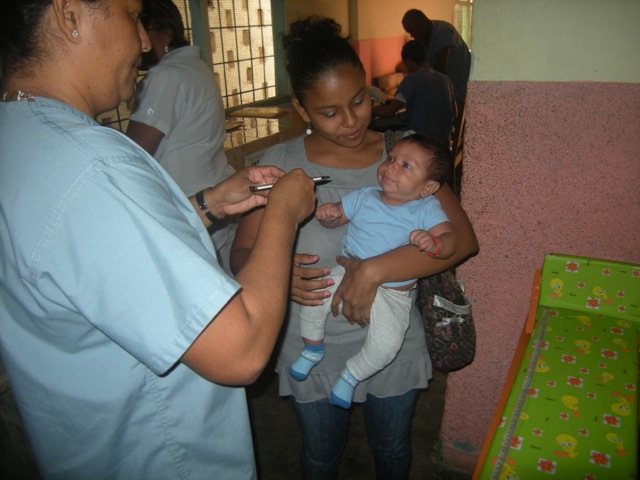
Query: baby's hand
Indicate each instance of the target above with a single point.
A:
(328, 212)
(422, 240)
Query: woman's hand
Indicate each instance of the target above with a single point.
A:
(356, 291)
(307, 283)
(294, 194)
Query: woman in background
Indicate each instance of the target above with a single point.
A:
(179, 115)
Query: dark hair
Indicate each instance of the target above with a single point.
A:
(417, 24)
(21, 32)
(415, 15)
(440, 155)
(164, 15)
(415, 51)
(313, 47)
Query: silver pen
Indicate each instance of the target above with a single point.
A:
(269, 186)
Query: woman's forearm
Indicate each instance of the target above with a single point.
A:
(237, 344)
(245, 239)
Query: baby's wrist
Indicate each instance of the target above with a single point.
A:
(435, 250)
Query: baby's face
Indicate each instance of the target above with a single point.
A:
(404, 175)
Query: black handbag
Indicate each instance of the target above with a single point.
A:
(448, 322)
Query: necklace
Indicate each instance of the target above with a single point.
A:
(18, 96)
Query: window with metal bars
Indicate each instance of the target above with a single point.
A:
(236, 38)
(241, 40)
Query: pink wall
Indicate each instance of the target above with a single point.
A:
(548, 167)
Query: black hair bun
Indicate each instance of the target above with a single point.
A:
(311, 28)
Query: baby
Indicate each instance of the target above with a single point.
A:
(401, 210)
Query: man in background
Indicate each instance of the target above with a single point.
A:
(447, 52)
(427, 95)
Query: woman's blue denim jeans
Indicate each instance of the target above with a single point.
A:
(388, 425)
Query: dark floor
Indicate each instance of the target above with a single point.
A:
(277, 439)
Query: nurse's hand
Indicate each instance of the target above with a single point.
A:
(233, 195)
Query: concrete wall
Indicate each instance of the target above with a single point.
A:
(551, 165)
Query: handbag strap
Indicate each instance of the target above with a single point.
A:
(441, 302)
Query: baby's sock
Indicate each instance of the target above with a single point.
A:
(342, 391)
(309, 358)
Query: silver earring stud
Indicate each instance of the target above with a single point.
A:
(75, 33)
(166, 49)
(308, 131)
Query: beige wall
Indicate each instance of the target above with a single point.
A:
(550, 40)
(375, 18)
(374, 26)
(383, 18)
(336, 9)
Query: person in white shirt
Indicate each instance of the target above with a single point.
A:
(178, 115)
